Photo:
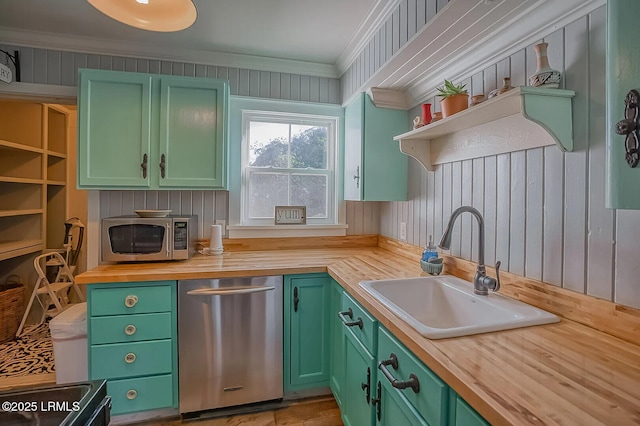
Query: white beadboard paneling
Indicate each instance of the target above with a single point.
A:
(456, 201)
(477, 201)
(467, 222)
(518, 212)
(518, 70)
(503, 69)
(446, 196)
(490, 203)
(627, 269)
(576, 77)
(503, 197)
(534, 216)
(553, 238)
(427, 216)
(600, 235)
(489, 79)
(438, 200)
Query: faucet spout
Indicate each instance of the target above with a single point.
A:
(482, 283)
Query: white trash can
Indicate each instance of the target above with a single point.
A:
(69, 335)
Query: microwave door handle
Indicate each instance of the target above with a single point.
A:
(168, 241)
(229, 291)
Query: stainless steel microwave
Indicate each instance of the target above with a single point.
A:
(136, 239)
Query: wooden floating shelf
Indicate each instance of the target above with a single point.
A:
(24, 212)
(522, 118)
(18, 248)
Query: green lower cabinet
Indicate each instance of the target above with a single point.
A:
(132, 335)
(337, 345)
(430, 398)
(461, 414)
(306, 331)
(391, 408)
(361, 349)
(360, 376)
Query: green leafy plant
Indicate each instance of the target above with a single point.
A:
(450, 89)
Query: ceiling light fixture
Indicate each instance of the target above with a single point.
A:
(151, 15)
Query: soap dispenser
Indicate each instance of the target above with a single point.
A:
(430, 250)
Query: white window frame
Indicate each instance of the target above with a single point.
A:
(332, 161)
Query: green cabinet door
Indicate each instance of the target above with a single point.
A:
(374, 167)
(148, 131)
(337, 344)
(306, 331)
(392, 408)
(461, 414)
(192, 126)
(358, 389)
(114, 128)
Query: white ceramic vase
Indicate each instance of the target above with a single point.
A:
(544, 76)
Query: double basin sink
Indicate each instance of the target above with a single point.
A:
(445, 306)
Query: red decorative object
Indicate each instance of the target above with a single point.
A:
(426, 114)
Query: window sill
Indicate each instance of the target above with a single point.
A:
(279, 231)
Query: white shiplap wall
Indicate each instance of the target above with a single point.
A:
(544, 209)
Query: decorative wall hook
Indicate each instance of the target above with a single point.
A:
(15, 59)
(629, 126)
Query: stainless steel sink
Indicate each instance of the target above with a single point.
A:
(446, 306)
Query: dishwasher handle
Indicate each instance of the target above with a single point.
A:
(229, 291)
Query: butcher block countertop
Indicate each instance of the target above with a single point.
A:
(565, 373)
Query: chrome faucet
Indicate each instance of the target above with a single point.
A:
(482, 283)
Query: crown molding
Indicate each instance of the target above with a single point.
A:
(39, 92)
(379, 13)
(68, 43)
(388, 98)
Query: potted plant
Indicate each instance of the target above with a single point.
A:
(454, 98)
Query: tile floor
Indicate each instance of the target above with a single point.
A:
(322, 411)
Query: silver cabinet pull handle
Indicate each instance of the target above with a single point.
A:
(229, 291)
(132, 394)
(130, 358)
(130, 301)
(130, 330)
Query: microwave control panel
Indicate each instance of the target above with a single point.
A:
(180, 236)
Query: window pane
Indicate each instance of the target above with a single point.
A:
(267, 190)
(309, 147)
(268, 144)
(310, 191)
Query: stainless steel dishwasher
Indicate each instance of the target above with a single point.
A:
(229, 342)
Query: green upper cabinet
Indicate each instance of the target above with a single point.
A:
(374, 167)
(623, 69)
(306, 331)
(114, 128)
(142, 131)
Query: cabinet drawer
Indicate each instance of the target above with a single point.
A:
(367, 334)
(130, 359)
(130, 328)
(431, 399)
(130, 300)
(144, 393)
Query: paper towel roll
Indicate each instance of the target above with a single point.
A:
(215, 242)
